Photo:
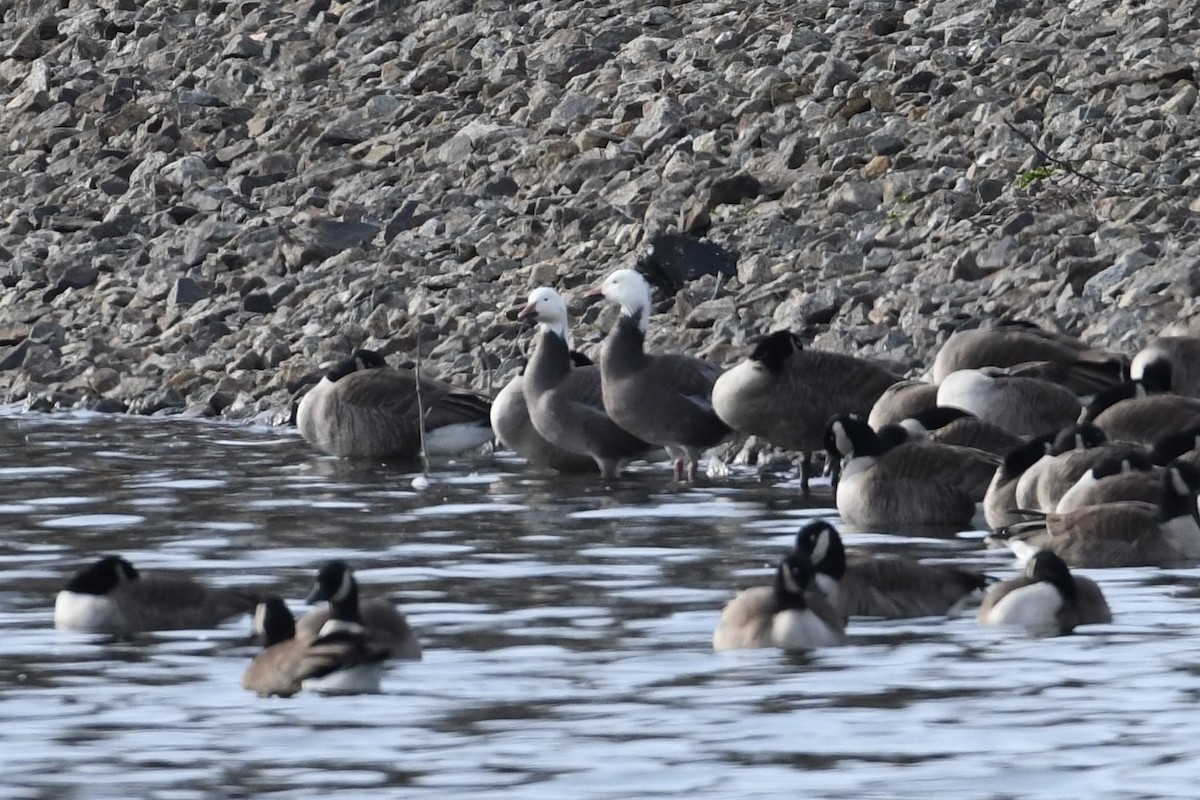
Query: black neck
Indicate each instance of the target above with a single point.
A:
(624, 349)
(549, 364)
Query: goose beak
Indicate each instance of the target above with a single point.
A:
(594, 292)
(527, 311)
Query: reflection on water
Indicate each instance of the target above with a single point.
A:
(566, 624)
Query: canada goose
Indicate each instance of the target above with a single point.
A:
(384, 625)
(872, 586)
(1008, 343)
(912, 484)
(1121, 476)
(112, 596)
(1000, 501)
(786, 394)
(1046, 600)
(1122, 534)
(513, 427)
(900, 401)
(1022, 406)
(1184, 445)
(1146, 419)
(342, 662)
(955, 426)
(363, 408)
(1080, 436)
(566, 404)
(789, 615)
(662, 399)
(1064, 470)
(1172, 361)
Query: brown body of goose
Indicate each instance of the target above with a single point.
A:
(566, 403)
(1145, 420)
(1000, 501)
(1080, 436)
(860, 584)
(364, 409)
(786, 394)
(962, 428)
(1065, 470)
(1117, 478)
(1123, 534)
(381, 623)
(790, 615)
(1021, 406)
(663, 399)
(112, 596)
(900, 401)
(1046, 599)
(344, 661)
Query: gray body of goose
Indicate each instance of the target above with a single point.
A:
(1172, 361)
(1021, 406)
(363, 408)
(378, 619)
(343, 662)
(862, 585)
(1046, 600)
(1118, 477)
(1122, 534)
(514, 428)
(1147, 419)
(902, 400)
(790, 615)
(962, 428)
(911, 484)
(112, 596)
(663, 399)
(1065, 470)
(1008, 343)
(1000, 501)
(786, 394)
(566, 403)
(1079, 436)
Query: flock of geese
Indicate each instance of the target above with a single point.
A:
(1074, 457)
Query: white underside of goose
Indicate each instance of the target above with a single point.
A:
(1033, 607)
(801, 629)
(360, 679)
(79, 611)
(451, 440)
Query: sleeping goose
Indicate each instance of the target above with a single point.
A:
(342, 662)
(1080, 436)
(363, 408)
(1064, 470)
(514, 429)
(1128, 476)
(955, 426)
(663, 399)
(1121, 534)
(902, 400)
(566, 403)
(790, 615)
(786, 394)
(1046, 600)
(1184, 444)
(1009, 343)
(888, 587)
(1144, 418)
(113, 596)
(382, 623)
(1021, 406)
(1000, 501)
(1172, 361)
(912, 484)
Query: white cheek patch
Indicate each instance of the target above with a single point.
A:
(844, 444)
(1180, 485)
(343, 590)
(789, 581)
(820, 548)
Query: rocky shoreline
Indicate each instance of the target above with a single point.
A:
(202, 202)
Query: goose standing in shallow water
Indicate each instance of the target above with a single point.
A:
(790, 615)
(377, 619)
(786, 394)
(1046, 600)
(363, 408)
(663, 399)
(566, 404)
(342, 662)
(514, 429)
(878, 586)
(913, 484)
(112, 596)
(1122, 534)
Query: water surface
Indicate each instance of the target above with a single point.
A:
(567, 629)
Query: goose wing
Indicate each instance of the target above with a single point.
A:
(746, 620)
(898, 588)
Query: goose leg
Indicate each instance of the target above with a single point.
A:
(805, 470)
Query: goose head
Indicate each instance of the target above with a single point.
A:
(1082, 436)
(1151, 371)
(1047, 567)
(793, 578)
(822, 544)
(547, 308)
(629, 289)
(1130, 462)
(336, 584)
(847, 436)
(1021, 458)
(273, 621)
(359, 360)
(773, 350)
(103, 576)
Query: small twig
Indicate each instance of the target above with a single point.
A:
(421, 407)
(1066, 165)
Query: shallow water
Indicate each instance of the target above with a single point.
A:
(567, 629)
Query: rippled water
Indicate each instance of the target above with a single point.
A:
(566, 626)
